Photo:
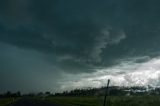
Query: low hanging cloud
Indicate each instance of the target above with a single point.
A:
(127, 73)
(107, 36)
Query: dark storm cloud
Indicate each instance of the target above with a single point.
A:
(78, 35)
(60, 28)
(89, 32)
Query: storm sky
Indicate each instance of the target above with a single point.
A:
(56, 45)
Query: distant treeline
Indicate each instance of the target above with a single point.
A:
(10, 94)
(18, 94)
(113, 91)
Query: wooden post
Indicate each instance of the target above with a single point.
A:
(106, 92)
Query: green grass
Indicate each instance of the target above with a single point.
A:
(77, 101)
(96, 101)
(7, 101)
(111, 101)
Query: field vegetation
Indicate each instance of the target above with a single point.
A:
(8, 101)
(111, 101)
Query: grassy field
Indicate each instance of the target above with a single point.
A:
(96, 101)
(7, 101)
(111, 101)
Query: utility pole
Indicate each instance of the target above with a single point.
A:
(106, 92)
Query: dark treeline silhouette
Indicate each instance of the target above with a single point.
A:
(10, 94)
(18, 94)
(113, 91)
(116, 91)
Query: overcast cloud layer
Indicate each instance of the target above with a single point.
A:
(64, 44)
